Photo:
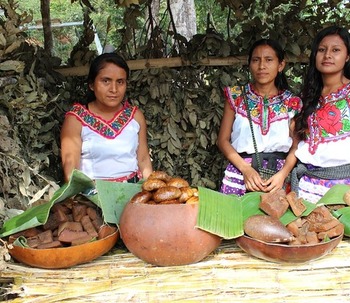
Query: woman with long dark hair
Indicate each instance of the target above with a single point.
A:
(271, 106)
(323, 125)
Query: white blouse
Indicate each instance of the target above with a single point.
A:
(271, 120)
(328, 144)
(109, 148)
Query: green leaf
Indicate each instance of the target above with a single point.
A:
(250, 204)
(335, 195)
(113, 197)
(220, 214)
(343, 215)
(38, 215)
(289, 216)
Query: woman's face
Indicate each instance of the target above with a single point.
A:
(264, 65)
(331, 55)
(110, 85)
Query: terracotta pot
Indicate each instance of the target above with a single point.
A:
(55, 258)
(286, 253)
(165, 235)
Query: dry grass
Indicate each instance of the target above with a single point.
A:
(227, 275)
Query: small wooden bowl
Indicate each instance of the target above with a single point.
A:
(165, 235)
(283, 253)
(55, 258)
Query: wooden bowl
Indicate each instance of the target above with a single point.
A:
(55, 258)
(165, 235)
(283, 253)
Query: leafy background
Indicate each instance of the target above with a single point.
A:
(183, 105)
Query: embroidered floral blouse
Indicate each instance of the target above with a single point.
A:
(108, 147)
(328, 142)
(270, 116)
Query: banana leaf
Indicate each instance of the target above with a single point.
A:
(250, 204)
(290, 217)
(219, 214)
(224, 215)
(111, 197)
(334, 196)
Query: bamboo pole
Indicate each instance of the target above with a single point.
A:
(172, 63)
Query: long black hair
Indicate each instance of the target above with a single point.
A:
(96, 65)
(281, 80)
(313, 83)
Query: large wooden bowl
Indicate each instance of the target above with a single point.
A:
(55, 258)
(165, 235)
(283, 253)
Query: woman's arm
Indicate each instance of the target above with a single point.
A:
(143, 157)
(251, 177)
(70, 145)
(277, 181)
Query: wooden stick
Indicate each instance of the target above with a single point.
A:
(171, 63)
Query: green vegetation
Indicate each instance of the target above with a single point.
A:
(183, 105)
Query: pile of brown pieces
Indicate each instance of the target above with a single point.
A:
(316, 227)
(160, 188)
(69, 223)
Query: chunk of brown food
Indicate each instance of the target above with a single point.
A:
(88, 226)
(68, 236)
(331, 233)
(296, 204)
(186, 193)
(61, 229)
(275, 203)
(166, 193)
(141, 197)
(316, 227)
(106, 230)
(177, 182)
(193, 200)
(153, 184)
(78, 211)
(74, 226)
(161, 175)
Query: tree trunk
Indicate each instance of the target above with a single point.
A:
(184, 15)
(46, 21)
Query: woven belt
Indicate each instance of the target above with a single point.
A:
(134, 177)
(271, 159)
(328, 173)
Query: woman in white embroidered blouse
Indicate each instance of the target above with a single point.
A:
(323, 125)
(106, 137)
(272, 107)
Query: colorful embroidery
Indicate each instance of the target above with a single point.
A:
(264, 111)
(331, 122)
(106, 129)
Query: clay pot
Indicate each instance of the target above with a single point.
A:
(55, 258)
(283, 253)
(165, 235)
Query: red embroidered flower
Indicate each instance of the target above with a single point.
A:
(329, 118)
(294, 103)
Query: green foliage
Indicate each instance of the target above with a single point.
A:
(28, 116)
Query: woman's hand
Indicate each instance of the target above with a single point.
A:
(274, 183)
(252, 179)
